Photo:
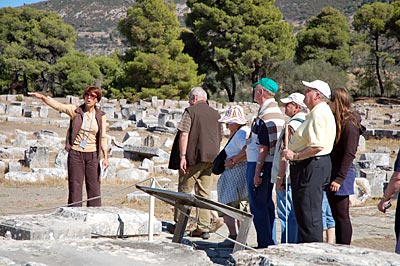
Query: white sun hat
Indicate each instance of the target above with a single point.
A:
(235, 115)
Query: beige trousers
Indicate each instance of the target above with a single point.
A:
(199, 177)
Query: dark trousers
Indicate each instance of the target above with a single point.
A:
(83, 166)
(397, 224)
(261, 204)
(340, 211)
(309, 178)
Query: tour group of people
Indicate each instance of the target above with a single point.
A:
(306, 158)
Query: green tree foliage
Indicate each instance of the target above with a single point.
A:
(73, 72)
(372, 20)
(240, 40)
(109, 68)
(155, 63)
(31, 41)
(326, 37)
(289, 75)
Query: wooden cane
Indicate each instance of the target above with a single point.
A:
(286, 181)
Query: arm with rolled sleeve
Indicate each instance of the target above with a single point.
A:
(103, 141)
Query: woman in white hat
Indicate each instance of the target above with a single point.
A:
(231, 185)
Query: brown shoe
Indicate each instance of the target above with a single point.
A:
(215, 225)
(199, 233)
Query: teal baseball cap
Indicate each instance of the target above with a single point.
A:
(267, 84)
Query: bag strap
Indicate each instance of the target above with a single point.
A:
(232, 136)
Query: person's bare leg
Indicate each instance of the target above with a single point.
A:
(330, 235)
(230, 223)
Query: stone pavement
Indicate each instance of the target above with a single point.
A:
(368, 225)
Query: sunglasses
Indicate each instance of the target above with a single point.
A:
(93, 95)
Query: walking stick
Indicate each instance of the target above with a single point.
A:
(286, 182)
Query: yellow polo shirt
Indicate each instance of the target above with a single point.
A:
(318, 130)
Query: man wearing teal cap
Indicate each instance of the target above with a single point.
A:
(260, 153)
(267, 84)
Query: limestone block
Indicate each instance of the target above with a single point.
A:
(362, 144)
(172, 124)
(43, 111)
(24, 176)
(163, 118)
(147, 165)
(3, 108)
(313, 254)
(376, 178)
(3, 139)
(147, 122)
(3, 168)
(39, 227)
(37, 156)
(378, 159)
(100, 252)
(132, 174)
(151, 141)
(72, 100)
(61, 160)
(115, 165)
(105, 221)
(160, 169)
(122, 101)
(146, 151)
(15, 109)
(169, 103)
(168, 142)
(110, 110)
(12, 153)
(140, 113)
(137, 195)
(56, 173)
(14, 166)
(128, 111)
(132, 138)
(50, 139)
(120, 125)
(183, 104)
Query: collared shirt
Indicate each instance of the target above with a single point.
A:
(185, 123)
(89, 133)
(265, 130)
(319, 130)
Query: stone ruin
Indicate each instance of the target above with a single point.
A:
(149, 128)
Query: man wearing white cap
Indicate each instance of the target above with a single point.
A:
(296, 110)
(310, 168)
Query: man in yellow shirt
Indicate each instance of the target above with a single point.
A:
(310, 168)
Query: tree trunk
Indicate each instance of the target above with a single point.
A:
(377, 63)
(232, 98)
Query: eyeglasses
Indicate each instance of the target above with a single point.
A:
(93, 95)
(310, 89)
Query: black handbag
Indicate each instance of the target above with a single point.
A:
(219, 163)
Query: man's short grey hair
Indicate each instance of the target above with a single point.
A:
(199, 92)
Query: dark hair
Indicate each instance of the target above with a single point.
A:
(93, 89)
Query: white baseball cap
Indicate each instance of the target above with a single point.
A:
(319, 85)
(296, 97)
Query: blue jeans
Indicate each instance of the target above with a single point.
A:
(261, 204)
(327, 218)
(292, 228)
